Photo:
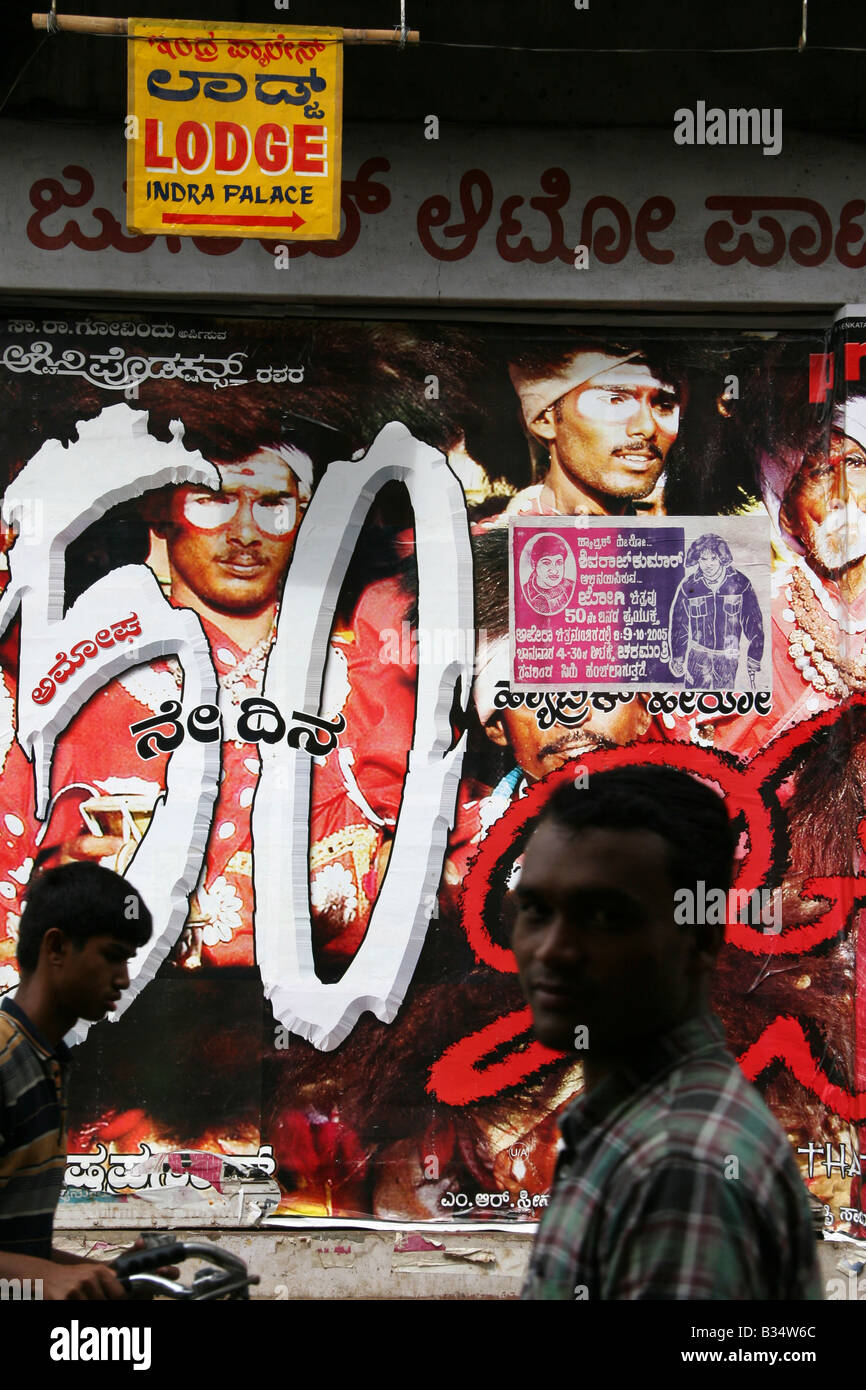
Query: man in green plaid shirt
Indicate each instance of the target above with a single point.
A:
(674, 1180)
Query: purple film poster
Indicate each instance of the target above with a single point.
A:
(651, 603)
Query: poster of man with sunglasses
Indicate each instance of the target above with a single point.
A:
(176, 550)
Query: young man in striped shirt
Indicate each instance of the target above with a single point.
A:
(80, 925)
(674, 1180)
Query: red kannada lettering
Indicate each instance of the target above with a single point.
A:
(363, 194)
(605, 243)
(122, 630)
(807, 245)
(206, 50)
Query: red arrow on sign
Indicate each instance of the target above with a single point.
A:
(194, 219)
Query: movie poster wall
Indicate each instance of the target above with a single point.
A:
(302, 621)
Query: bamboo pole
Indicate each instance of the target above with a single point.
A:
(380, 36)
(94, 24)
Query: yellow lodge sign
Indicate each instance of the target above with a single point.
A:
(234, 130)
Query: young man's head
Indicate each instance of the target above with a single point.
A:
(229, 550)
(711, 555)
(80, 926)
(595, 939)
(538, 750)
(607, 419)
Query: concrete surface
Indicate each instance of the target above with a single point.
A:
(401, 1263)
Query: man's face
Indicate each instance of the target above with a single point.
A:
(825, 507)
(91, 979)
(595, 940)
(613, 433)
(231, 548)
(710, 564)
(549, 571)
(538, 751)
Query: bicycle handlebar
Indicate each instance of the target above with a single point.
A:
(150, 1259)
(137, 1271)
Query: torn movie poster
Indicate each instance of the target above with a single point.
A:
(261, 583)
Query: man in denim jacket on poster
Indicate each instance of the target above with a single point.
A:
(714, 608)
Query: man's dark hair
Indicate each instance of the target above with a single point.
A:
(543, 356)
(712, 542)
(83, 900)
(688, 815)
(490, 555)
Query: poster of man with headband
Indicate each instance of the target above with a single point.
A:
(298, 646)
